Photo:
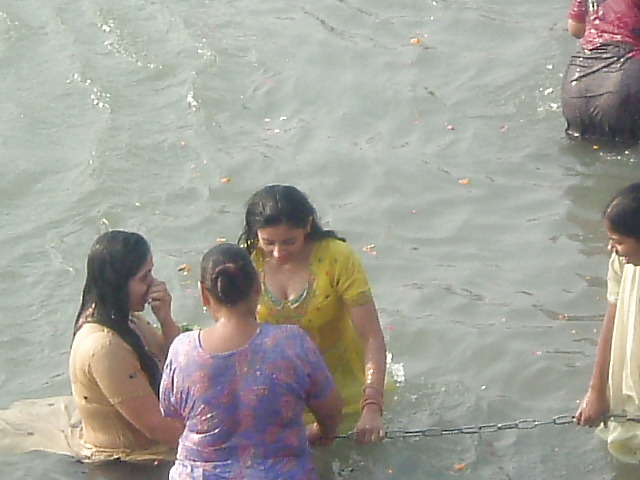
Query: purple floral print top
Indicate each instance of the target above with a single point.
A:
(243, 410)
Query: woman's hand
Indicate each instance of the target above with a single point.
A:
(159, 300)
(593, 407)
(596, 403)
(370, 427)
(315, 437)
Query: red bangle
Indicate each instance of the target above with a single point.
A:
(371, 401)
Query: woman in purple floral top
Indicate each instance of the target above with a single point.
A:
(241, 388)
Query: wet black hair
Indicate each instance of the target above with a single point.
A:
(623, 212)
(115, 258)
(278, 204)
(227, 274)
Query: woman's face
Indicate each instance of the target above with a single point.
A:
(626, 247)
(139, 286)
(282, 243)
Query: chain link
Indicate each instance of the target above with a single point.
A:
(619, 418)
(523, 424)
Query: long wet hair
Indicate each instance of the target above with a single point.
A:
(277, 204)
(227, 274)
(115, 258)
(623, 212)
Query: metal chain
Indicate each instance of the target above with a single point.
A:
(523, 424)
(619, 418)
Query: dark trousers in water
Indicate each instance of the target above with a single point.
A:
(601, 95)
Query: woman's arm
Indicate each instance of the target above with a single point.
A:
(578, 15)
(116, 370)
(328, 414)
(160, 302)
(144, 413)
(370, 427)
(576, 29)
(595, 403)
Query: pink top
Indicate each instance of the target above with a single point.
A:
(613, 21)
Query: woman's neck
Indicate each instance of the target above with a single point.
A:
(233, 329)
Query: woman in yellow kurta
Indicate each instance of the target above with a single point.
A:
(312, 278)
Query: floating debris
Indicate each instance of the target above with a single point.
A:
(371, 249)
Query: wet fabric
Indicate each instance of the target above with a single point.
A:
(104, 371)
(337, 281)
(601, 87)
(601, 94)
(608, 21)
(52, 425)
(48, 424)
(243, 409)
(623, 439)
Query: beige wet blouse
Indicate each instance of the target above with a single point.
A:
(104, 372)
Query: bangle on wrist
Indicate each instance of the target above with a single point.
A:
(369, 387)
(371, 401)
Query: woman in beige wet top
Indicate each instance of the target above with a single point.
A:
(117, 356)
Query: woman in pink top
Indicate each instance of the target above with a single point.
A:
(601, 88)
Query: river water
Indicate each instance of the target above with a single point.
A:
(428, 133)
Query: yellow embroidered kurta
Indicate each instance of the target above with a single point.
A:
(337, 281)
(623, 289)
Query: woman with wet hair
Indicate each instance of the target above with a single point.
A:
(615, 382)
(311, 277)
(117, 356)
(241, 387)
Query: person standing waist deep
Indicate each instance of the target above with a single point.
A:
(601, 87)
(312, 278)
